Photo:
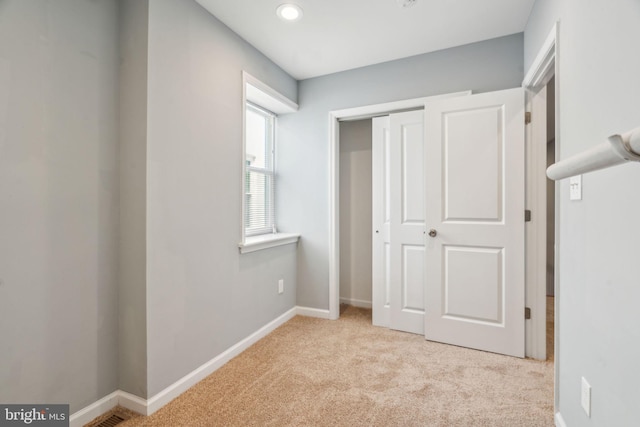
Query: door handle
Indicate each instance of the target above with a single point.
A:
(433, 232)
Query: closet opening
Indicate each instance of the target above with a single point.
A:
(355, 188)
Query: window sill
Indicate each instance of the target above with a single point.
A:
(265, 241)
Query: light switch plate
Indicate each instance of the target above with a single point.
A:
(575, 187)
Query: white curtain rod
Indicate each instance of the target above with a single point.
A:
(616, 150)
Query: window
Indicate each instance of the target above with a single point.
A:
(262, 105)
(259, 171)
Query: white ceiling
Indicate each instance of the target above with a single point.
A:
(337, 35)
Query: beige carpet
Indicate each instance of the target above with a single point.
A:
(313, 372)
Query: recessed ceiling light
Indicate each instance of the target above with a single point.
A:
(289, 12)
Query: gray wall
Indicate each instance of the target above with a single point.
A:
(132, 289)
(303, 162)
(599, 241)
(58, 201)
(202, 295)
(120, 193)
(355, 211)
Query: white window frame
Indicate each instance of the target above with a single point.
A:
(265, 98)
(268, 170)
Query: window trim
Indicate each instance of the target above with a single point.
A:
(264, 98)
(266, 241)
(271, 172)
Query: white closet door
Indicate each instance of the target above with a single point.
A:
(474, 186)
(398, 220)
(407, 222)
(381, 221)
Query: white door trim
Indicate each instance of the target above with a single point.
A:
(535, 230)
(335, 117)
(545, 66)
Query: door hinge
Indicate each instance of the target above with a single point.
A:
(527, 117)
(527, 215)
(527, 313)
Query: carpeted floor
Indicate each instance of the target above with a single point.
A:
(313, 372)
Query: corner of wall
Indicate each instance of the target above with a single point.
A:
(132, 330)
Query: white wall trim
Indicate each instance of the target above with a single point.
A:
(107, 403)
(266, 241)
(267, 97)
(89, 413)
(313, 312)
(334, 215)
(149, 406)
(356, 302)
(133, 402)
(261, 94)
(183, 384)
(559, 420)
(536, 240)
(368, 111)
(335, 117)
(541, 69)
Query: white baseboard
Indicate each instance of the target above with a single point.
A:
(356, 302)
(559, 420)
(87, 414)
(189, 380)
(312, 312)
(149, 406)
(133, 402)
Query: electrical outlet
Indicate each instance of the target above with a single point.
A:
(281, 286)
(586, 397)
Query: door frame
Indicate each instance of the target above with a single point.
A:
(335, 117)
(544, 67)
